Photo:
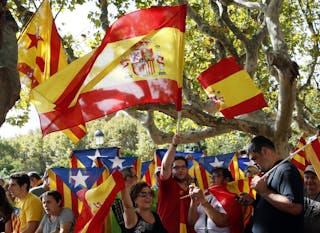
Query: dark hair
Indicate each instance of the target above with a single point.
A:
(136, 189)
(34, 174)
(179, 157)
(258, 142)
(21, 178)
(53, 193)
(126, 171)
(225, 172)
(5, 207)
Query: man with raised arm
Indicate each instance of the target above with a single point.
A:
(174, 183)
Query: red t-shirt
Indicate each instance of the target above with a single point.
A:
(169, 204)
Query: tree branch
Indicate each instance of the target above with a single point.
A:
(245, 4)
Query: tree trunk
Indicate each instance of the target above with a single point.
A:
(9, 76)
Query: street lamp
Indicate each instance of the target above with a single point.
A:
(99, 137)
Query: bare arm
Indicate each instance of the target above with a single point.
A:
(193, 213)
(65, 227)
(279, 201)
(31, 227)
(129, 215)
(168, 158)
(8, 226)
(39, 230)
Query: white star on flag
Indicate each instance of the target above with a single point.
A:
(80, 179)
(249, 163)
(117, 162)
(94, 158)
(217, 163)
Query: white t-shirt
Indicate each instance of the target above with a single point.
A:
(204, 224)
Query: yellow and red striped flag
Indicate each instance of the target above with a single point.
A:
(201, 174)
(234, 168)
(139, 61)
(148, 172)
(231, 88)
(97, 203)
(41, 54)
(313, 154)
(300, 159)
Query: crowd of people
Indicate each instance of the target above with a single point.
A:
(284, 202)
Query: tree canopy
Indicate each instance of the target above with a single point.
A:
(276, 41)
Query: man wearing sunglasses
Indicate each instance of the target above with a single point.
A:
(173, 183)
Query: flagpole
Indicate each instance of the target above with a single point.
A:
(283, 161)
(178, 122)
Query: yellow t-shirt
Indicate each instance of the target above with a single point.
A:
(26, 210)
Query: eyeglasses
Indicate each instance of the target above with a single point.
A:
(179, 167)
(145, 194)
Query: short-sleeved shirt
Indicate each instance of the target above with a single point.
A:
(169, 204)
(49, 226)
(26, 210)
(287, 181)
(312, 214)
(204, 224)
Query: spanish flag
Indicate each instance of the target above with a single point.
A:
(97, 204)
(139, 61)
(313, 154)
(231, 89)
(41, 54)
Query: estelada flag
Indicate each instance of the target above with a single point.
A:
(214, 161)
(40, 51)
(68, 181)
(117, 163)
(97, 202)
(41, 54)
(139, 61)
(231, 89)
(90, 157)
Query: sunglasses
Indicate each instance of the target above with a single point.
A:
(145, 194)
